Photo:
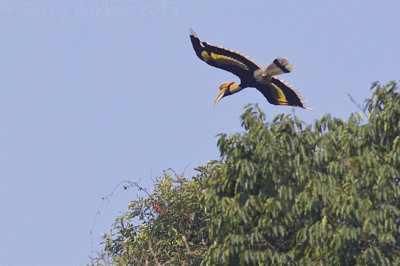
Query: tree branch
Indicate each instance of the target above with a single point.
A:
(357, 104)
(153, 253)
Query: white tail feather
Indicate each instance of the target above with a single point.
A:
(279, 66)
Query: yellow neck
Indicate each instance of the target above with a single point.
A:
(234, 88)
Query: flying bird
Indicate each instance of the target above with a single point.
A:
(251, 73)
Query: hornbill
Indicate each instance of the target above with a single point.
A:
(251, 73)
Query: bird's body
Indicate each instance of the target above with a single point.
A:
(251, 73)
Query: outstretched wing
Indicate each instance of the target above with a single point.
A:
(279, 92)
(224, 58)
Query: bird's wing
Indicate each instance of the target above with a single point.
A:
(279, 92)
(224, 58)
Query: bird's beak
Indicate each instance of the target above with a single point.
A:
(220, 95)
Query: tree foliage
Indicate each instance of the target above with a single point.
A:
(282, 193)
(324, 194)
(166, 228)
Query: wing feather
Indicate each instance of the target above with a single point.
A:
(223, 58)
(279, 92)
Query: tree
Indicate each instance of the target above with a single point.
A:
(324, 194)
(282, 193)
(168, 227)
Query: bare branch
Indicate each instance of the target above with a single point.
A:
(126, 184)
(357, 104)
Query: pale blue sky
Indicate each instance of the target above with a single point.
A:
(96, 92)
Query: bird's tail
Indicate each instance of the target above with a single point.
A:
(279, 66)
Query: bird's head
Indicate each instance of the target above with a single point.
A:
(226, 89)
